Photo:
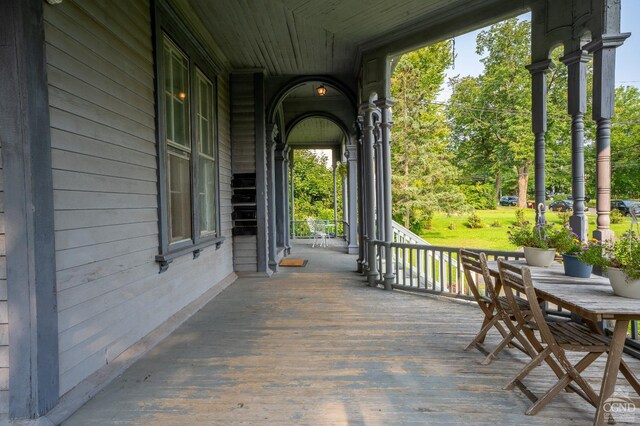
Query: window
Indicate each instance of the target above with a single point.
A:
(188, 157)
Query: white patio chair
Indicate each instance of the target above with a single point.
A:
(317, 229)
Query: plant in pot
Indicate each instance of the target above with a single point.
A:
(571, 248)
(621, 260)
(539, 242)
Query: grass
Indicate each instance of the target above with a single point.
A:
(453, 231)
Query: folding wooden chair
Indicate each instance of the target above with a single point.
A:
(496, 309)
(558, 337)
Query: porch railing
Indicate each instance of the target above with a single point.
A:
(299, 229)
(421, 267)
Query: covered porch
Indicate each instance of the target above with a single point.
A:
(315, 345)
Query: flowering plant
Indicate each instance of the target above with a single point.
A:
(541, 235)
(568, 242)
(623, 253)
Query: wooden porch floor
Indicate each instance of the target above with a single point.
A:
(314, 345)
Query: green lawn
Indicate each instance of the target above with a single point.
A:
(490, 237)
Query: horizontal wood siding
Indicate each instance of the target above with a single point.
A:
(101, 92)
(243, 129)
(4, 316)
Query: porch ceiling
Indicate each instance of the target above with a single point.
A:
(315, 132)
(327, 37)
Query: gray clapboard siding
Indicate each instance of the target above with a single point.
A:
(76, 219)
(85, 200)
(243, 130)
(110, 295)
(67, 141)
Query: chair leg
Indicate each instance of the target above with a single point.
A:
(537, 360)
(573, 375)
(487, 325)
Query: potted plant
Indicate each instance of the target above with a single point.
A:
(539, 242)
(621, 260)
(571, 248)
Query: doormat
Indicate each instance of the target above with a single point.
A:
(293, 262)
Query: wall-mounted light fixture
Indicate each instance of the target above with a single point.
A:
(321, 90)
(182, 96)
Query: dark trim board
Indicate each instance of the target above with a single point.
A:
(30, 247)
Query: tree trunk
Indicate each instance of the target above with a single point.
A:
(496, 188)
(523, 183)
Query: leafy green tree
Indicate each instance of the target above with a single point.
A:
(423, 173)
(625, 143)
(313, 186)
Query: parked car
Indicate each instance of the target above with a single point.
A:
(623, 206)
(509, 200)
(561, 206)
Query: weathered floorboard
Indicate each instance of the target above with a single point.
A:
(313, 345)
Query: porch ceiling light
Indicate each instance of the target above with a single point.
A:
(321, 90)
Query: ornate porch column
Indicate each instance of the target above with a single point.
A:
(334, 169)
(287, 219)
(281, 210)
(386, 123)
(362, 192)
(379, 180)
(538, 72)
(577, 64)
(352, 200)
(604, 65)
(293, 193)
(370, 115)
(272, 132)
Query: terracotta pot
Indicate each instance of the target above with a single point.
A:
(539, 257)
(622, 285)
(574, 267)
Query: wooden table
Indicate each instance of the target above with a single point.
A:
(593, 299)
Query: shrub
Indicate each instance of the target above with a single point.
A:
(474, 221)
(496, 224)
(564, 217)
(479, 196)
(616, 216)
(452, 226)
(520, 217)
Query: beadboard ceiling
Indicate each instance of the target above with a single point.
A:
(316, 132)
(292, 37)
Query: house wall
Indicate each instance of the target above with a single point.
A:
(4, 317)
(243, 129)
(101, 93)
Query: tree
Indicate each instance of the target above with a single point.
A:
(313, 186)
(625, 143)
(497, 106)
(422, 169)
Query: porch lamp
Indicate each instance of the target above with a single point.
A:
(321, 90)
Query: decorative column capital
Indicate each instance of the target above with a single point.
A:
(606, 41)
(540, 66)
(351, 152)
(578, 56)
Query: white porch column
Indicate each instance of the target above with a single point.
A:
(352, 199)
(577, 64)
(604, 65)
(538, 72)
(370, 116)
(386, 123)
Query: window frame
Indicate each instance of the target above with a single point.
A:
(169, 25)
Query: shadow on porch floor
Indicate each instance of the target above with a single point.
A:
(314, 345)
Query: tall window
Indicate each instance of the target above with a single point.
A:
(189, 165)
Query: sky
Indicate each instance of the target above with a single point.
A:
(627, 55)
